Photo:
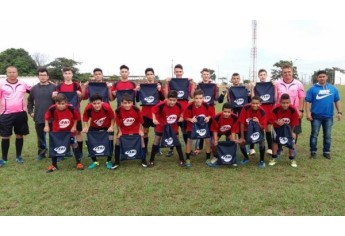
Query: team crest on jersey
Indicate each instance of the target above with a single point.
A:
(239, 101)
(265, 97)
(180, 94)
(131, 153)
(226, 158)
(100, 121)
(99, 149)
(128, 121)
(149, 99)
(225, 128)
(285, 120)
(171, 119)
(60, 150)
(283, 140)
(64, 123)
(201, 132)
(207, 99)
(255, 136)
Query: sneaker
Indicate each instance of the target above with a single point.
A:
(188, 163)
(252, 152)
(144, 163)
(234, 165)
(2, 163)
(170, 153)
(313, 155)
(269, 151)
(93, 165)
(262, 164)
(115, 166)
(327, 156)
(19, 160)
(80, 166)
(109, 165)
(182, 163)
(272, 162)
(151, 164)
(160, 153)
(293, 163)
(51, 168)
(245, 161)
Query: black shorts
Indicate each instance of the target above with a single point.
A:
(298, 128)
(18, 121)
(148, 122)
(79, 126)
(102, 129)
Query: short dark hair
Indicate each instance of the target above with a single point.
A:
(61, 98)
(96, 97)
(284, 96)
(172, 94)
(42, 70)
(235, 74)
(178, 66)
(321, 72)
(126, 97)
(198, 92)
(124, 67)
(262, 70)
(287, 66)
(205, 70)
(256, 98)
(67, 69)
(97, 69)
(227, 105)
(149, 69)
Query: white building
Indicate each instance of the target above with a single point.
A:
(339, 77)
(30, 80)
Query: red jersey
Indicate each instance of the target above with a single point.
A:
(73, 87)
(223, 125)
(192, 111)
(268, 111)
(247, 113)
(289, 116)
(99, 119)
(129, 121)
(147, 110)
(123, 85)
(62, 120)
(167, 115)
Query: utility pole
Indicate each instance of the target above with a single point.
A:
(253, 55)
(172, 68)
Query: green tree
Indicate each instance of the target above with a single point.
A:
(212, 75)
(330, 73)
(55, 68)
(276, 72)
(18, 58)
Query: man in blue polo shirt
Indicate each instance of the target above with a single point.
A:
(319, 108)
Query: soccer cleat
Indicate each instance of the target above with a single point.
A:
(262, 164)
(80, 166)
(144, 163)
(269, 151)
(19, 160)
(160, 153)
(327, 156)
(51, 168)
(182, 164)
(115, 166)
(93, 165)
(188, 163)
(234, 165)
(245, 161)
(293, 163)
(272, 162)
(313, 155)
(2, 163)
(252, 152)
(109, 165)
(170, 153)
(151, 164)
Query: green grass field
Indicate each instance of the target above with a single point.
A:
(316, 187)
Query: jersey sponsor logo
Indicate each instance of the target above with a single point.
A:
(285, 120)
(100, 121)
(169, 141)
(283, 140)
(201, 132)
(180, 94)
(131, 153)
(64, 123)
(207, 99)
(128, 121)
(255, 136)
(60, 150)
(265, 97)
(225, 128)
(239, 101)
(149, 99)
(171, 119)
(99, 149)
(323, 94)
(226, 158)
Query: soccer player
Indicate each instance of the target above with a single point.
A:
(97, 78)
(123, 86)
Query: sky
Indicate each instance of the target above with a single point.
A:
(159, 35)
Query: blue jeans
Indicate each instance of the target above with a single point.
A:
(326, 124)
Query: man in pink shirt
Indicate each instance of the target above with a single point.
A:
(13, 113)
(293, 87)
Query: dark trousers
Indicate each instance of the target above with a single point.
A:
(41, 140)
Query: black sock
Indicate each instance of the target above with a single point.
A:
(77, 154)
(262, 153)
(274, 156)
(251, 146)
(80, 146)
(187, 156)
(171, 148)
(93, 158)
(185, 138)
(208, 156)
(143, 154)
(180, 153)
(111, 144)
(201, 144)
(109, 158)
(154, 150)
(146, 141)
(291, 158)
(117, 155)
(244, 152)
(19, 146)
(54, 161)
(269, 140)
(5, 145)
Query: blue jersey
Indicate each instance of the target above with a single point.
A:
(322, 99)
